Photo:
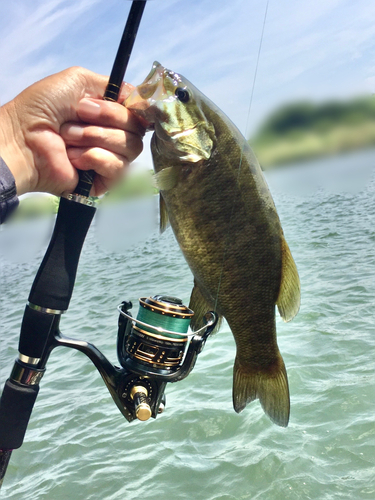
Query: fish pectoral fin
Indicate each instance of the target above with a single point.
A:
(289, 299)
(201, 305)
(164, 217)
(167, 178)
(269, 386)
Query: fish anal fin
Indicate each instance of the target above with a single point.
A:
(201, 305)
(288, 301)
(269, 386)
(164, 217)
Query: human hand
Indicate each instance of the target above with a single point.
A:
(61, 124)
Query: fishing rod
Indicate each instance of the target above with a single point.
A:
(153, 349)
(86, 178)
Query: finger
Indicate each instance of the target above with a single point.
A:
(117, 141)
(96, 85)
(105, 163)
(109, 114)
(102, 185)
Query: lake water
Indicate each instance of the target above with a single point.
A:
(78, 446)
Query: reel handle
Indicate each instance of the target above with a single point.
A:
(139, 395)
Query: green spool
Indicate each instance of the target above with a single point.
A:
(164, 312)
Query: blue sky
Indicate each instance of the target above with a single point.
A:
(313, 50)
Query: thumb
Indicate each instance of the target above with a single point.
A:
(96, 86)
(93, 84)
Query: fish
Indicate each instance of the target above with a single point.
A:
(214, 195)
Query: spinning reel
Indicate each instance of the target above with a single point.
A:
(152, 349)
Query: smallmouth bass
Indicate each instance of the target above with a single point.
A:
(214, 195)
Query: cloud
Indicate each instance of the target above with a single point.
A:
(315, 49)
(309, 50)
(27, 39)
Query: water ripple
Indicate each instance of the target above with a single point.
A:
(79, 446)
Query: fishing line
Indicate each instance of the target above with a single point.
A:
(242, 150)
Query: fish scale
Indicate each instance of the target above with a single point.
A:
(222, 214)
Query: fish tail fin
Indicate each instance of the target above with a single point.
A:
(269, 386)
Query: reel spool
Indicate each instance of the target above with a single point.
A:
(158, 337)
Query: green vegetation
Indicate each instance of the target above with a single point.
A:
(35, 206)
(295, 132)
(134, 185)
(303, 130)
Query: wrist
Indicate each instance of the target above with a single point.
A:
(13, 149)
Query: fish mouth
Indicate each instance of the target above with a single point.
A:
(155, 74)
(149, 91)
(150, 86)
(155, 88)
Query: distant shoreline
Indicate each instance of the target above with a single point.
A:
(314, 145)
(295, 133)
(303, 131)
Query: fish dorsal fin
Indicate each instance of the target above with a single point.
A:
(164, 217)
(167, 178)
(288, 301)
(200, 305)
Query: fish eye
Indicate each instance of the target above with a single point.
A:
(182, 94)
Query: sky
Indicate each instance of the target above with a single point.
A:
(309, 50)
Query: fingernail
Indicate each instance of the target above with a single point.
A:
(74, 153)
(74, 132)
(88, 107)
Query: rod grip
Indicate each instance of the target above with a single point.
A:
(16, 404)
(35, 329)
(54, 282)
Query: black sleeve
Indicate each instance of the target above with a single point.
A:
(8, 193)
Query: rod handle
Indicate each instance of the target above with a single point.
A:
(54, 282)
(16, 404)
